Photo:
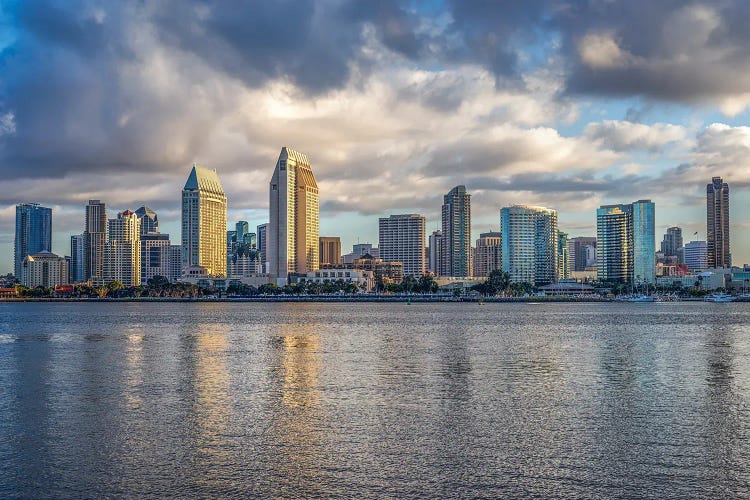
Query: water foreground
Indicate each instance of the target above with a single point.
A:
(311, 399)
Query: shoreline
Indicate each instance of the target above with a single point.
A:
(332, 299)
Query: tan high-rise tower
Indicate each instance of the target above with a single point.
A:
(717, 223)
(294, 227)
(204, 222)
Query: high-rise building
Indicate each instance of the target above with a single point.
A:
(294, 227)
(402, 240)
(582, 253)
(695, 255)
(330, 251)
(77, 249)
(262, 245)
(360, 250)
(456, 217)
(44, 269)
(644, 241)
(563, 259)
(122, 252)
(435, 253)
(175, 263)
(717, 224)
(626, 243)
(154, 256)
(95, 237)
(488, 255)
(241, 229)
(672, 242)
(529, 244)
(148, 220)
(204, 222)
(33, 233)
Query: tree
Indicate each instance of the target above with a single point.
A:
(158, 281)
(427, 284)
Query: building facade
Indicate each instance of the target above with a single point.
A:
(122, 252)
(262, 244)
(563, 259)
(582, 253)
(204, 222)
(626, 242)
(529, 244)
(435, 253)
(717, 224)
(95, 237)
(33, 233)
(672, 242)
(44, 269)
(401, 239)
(154, 256)
(148, 220)
(76, 271)
(330, 251)
(294, 227)
(456, 234)
(695, 255)
(488, 255)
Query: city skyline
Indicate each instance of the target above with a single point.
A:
(544, 108)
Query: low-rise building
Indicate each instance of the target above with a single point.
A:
(44, 269)
(364, 279)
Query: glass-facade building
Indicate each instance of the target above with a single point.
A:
(204, 222)
(33, 233)
(626, 242)
(529, 244)
(456, 234)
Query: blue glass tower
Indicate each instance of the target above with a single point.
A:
(33, 232)
(626, 242)
(644, 242)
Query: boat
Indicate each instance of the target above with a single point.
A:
(718, 297)
(641, 298)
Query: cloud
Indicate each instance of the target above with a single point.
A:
(624, 135)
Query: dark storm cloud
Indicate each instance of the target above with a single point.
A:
(67, 103)
(671, 50)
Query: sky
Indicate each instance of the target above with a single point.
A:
(563, 104)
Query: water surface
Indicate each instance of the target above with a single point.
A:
(373, 400)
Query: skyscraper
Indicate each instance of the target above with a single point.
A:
(671, 242)
(529, 244)
(402, 240)
(204, 222)
(488, 254)
(154, 255)
(33, 233)
(717, 223)
(294, 227)
(626, 243)
(582, 253)
(563, 259)
(148, 220)
(77, 270)
(241, 229)
(695, 255)
(262, 245)
(456, 217)
(435, 250)
(644, 241)
(330, 250)
(95, 236)
(122, 252)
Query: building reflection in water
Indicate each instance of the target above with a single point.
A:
(134, 376)
(207, 347)
(296, 420)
